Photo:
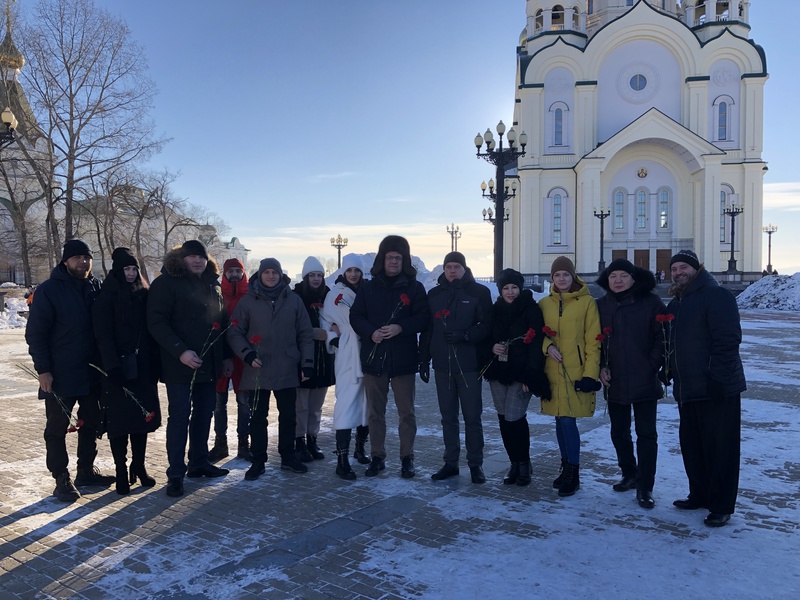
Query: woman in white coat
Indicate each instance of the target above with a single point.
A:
(350, 408)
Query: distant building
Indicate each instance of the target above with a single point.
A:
(650, 109)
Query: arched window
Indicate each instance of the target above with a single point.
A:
(663, 208)
(722, 121)
(619, 209)
(641, 209)
(558, 17)
(558, 128)
(557, 212)
(590, 6)
(539, 20)
(576, 19)
(723, 107)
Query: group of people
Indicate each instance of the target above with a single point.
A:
(105, 348)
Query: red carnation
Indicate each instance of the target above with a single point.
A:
(529, 336)
(549, 332)
(665, 318)
(149, 416)
(234, 322)
(438, 315)
(405, 299)
(338, 299)
(600, 337)
(79, 423)
(445, 312)
(256, 339)
(215, 326)
(607, 330)
(316, 305)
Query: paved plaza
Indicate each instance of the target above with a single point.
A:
(315, 536)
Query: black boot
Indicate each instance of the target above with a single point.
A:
(561, 473)
(138, 449)
(524, 477)
(343, 468)
(313, 449)
(360, 454)
(303, 455)
(571, 482)
(244, 449)
(220, 449)
(65, 490)
(119, 449)
(123, 486)
(512, 475)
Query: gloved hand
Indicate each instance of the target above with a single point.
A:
(454, 337)
(587, 385)
(308, 371)
(335, 342)
(716, 390)
(425, 372)
(249, 358)
(664, 378)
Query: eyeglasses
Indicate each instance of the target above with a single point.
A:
(394, 258)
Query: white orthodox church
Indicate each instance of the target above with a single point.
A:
(647, 110)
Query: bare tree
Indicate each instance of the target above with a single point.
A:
(87, 84)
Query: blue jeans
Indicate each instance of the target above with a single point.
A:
(569, 439)
(243, 403)
(182, 427)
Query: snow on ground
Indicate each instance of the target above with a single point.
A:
(9, 319)
(778, 292)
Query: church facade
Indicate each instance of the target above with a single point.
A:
(645, 118)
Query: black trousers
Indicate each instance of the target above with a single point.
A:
(58, 413)
(644, 414)
(710, 436)
(285, 399)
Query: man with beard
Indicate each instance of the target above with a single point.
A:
(709, 379)
(61, 344)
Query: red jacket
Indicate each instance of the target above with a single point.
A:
(231, 294)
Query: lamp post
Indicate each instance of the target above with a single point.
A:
(339, 242)
(501, 158)
(733, 211)
(602, 215)
(455, 235)
(769, 230)
(488, 216)
(10, 121)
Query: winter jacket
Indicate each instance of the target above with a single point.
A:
(182, 310)
(704, 339)
(468, 305)
(59, 332)
(376, 301)
(574, 318)
(231, 294)
(525, 362)
(119, 317)
(636, 343)
(279, 332)
(323, 362)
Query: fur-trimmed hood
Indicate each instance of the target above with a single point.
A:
(644, 282)
(173, 265)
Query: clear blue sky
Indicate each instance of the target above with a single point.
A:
(296, 120)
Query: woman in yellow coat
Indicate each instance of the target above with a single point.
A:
(572, 364)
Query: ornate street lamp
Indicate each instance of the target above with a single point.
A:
(501, 158)
(10, 121)
(339, 242)
(455, 235)
(769, 230)
(488, 216)
(602, 215)
(733, 211)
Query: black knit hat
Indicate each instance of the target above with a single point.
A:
(194, 248)
(76, 247)
(621, 264)
(507, 276)
(455, 257)
(123, 257)
(688, 257)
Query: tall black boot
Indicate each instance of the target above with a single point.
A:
(119, 449)
(343, 468)
(513, 472)
(138, 449)
(522, 441)
(360, 453)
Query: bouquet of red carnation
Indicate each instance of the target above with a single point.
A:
(404, 301)
(526, 339)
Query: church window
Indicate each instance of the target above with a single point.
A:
(558, 17)
(557, 219)
(723, 119)
(559, 128)
(641, 209)
(590, 6)
(638, 82)
(663, 208)
(539, 20)
(722, 122)
(619, 209)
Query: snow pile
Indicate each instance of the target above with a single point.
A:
(9, 319)
(778, 292)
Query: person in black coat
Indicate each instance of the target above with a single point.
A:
(129, 358)
(633, 353)
(388, 313)
(311, 393)
(516, 370)
(61, 344)
(709, 379)
(457, 340)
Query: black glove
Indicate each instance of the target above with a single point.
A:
(308, 372)
(454, 337)
(335, 342)
(664, 378)
(716, 390)
(249, 358)
(425, 372)
(587, 385)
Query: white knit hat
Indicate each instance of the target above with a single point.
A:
(350, 261)
(312, 265)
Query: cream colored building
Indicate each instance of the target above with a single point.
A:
(647, 109)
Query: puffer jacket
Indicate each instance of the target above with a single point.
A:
(525, 362)
(186, 312)
(704, 339)
(231, 294)
(635, 347)
(376, 301)
(574, 318)
(59, 332)
(279, 332)
(469, 307)
(314, 300)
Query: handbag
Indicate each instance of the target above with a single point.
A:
(128, 365)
